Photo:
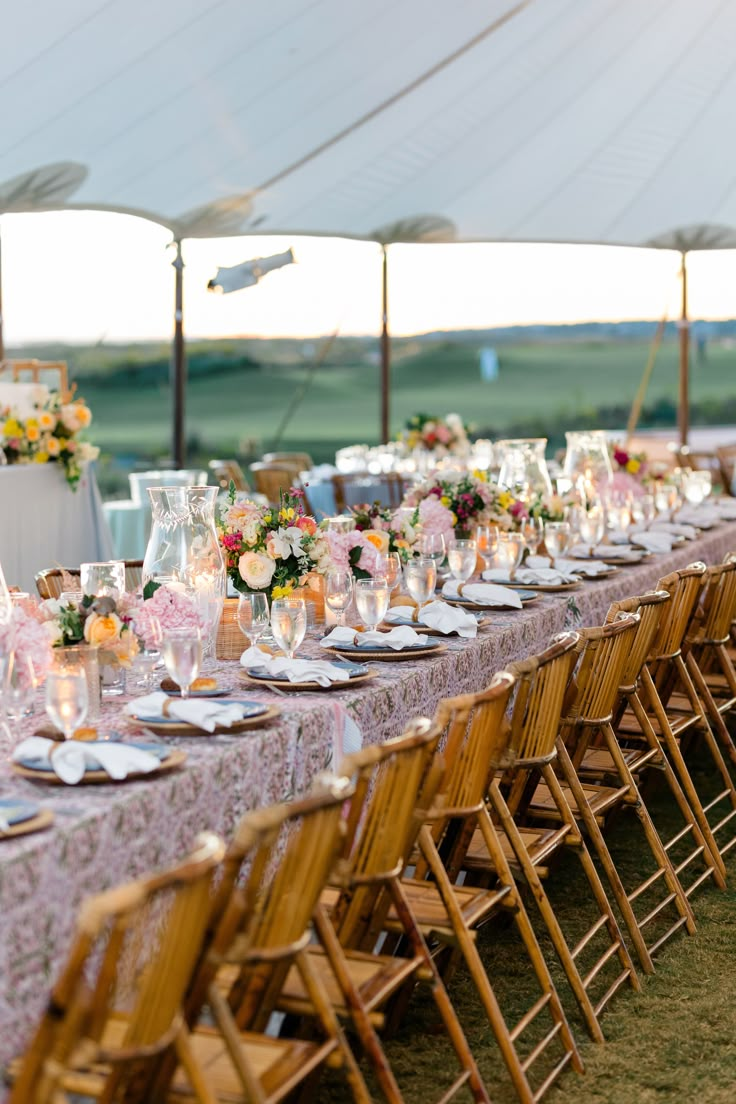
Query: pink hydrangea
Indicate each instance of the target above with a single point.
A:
(28, 638)
(171, 609)
(341, 545)
(436, 518)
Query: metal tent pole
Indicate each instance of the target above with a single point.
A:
(385, 355)
(683, 412)
(178, 364)
(2, 336)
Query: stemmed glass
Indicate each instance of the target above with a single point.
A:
(486, 541)
(372, 597)
(462, 557)
(18, 684)
(592, 527)
(253, 616)
(339, 593)
(182, 652)
(66, 700)
(510, 552)
(420, 577)
(432, 546)
(289, 623)
(532, 530)
(556, 539)
(388, 567)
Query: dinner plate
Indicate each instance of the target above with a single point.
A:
(170, 687)
(547, 588)
(388, 655)
(22, 817)
(44, 772)
(467, 603)
(358, 672)
(256, 714)
(425, 630)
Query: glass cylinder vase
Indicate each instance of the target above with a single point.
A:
(85, 656)
(524, 466)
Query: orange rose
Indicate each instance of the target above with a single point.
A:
(307, 525)
(377, 538)
(102, 630)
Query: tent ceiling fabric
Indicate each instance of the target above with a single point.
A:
(536, 120)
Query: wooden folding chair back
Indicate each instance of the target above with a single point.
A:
(600, 671)
(683, 588)
(649, 609)
(40, 371)
(541, 682)
(727, 460)
(712, 624)
(386, 487)
(396, 783)
(226, 472)
(300, 461)
(273, 479)
(117, 1005)
(53, 581)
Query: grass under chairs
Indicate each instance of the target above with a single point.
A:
(117, 1006)
(594, 687)
(517, 755)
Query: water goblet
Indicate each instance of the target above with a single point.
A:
(289, 623)
(18, 685)
(372, 597)
(432, 546)
(532, 530)
(253, 616)
(420, 577)
(66, 700)
(592, 525)
(339, 593)
(693, 488)
(182, 653)
(388, 566)
(510, 552)
(556, 539)
(462, 557)
(486, 540)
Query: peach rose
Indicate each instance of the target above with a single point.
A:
(307, 525)
(101, 630)
(378, 539)
(256, 570)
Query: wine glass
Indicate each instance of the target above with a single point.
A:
(532, 530)
(18, 684)
(182, 652)
(592, 527)
(372, 597)
(339, 593)
(432, 546)
(510, 552)
(556, 539)
(289, 623)
(486, 541)
(66, 700)
(253, 616)
(388, 567)
(462, 557)
(420, 577)
(103, 580)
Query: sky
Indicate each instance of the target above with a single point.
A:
(93, 276)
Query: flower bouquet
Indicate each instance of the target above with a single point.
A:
(630, 471)
(99, 623)
(469, 499)
(49, 435)
(441, 436)
(271, 549)
(550, 507)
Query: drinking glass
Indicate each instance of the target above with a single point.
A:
(182, 652)
(532, 530)
(143, 664)
(388, 567)
(462, 556)
(556, 539)
(420, 577)
(18, 684)
(103, 580)
(510, 552)
(693, 487)
(253, 616)
(432, 546)
(372, 597)
(66, 700)
(592, 527)
(339, 593)
(289, 623)
(486, 541)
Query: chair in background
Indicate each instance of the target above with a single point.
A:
(116, 1008)
(226, 472)
(727, 461)
(53, 581)
(272, 479)
(38, 371)
(386, 488)
(302, 461)
(703, 460)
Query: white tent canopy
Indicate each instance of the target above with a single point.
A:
(536, 120)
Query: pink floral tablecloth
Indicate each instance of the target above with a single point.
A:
(103, 835)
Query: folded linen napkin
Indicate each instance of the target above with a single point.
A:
(704, 516)
(398, 638)
(294, 670)
(725, 508)
(653, 541)
(678, 529)
(205, 713)
(438, 615)
(606, 552)
(570, 567)
(485, 594)
(71, 758)
(540, 576)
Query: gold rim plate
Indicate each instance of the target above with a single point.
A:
(95, 778)
(36, 823)
(284, 684)
(181, 728)
(388, 655)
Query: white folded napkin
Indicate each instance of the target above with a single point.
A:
(606, 552)
(653, 541)
(540, 576)
(618, 536)
(398, 638)
(725, 508)
(570, 567)
(438, 615)
(704, 516)
(294, 670)
(485, 594)
(205, 713)
(678, 529)
(71, 757)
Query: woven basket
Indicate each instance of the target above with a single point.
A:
(313, 593)
(230, 642)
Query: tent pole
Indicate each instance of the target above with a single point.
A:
(385, 354)
(684, 402)
(178, 363)
(2, 335)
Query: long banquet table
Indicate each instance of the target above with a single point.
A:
(105, 834)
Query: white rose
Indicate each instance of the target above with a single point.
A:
(54, 633)
(70, 418)
(256, 570)
(251, 530)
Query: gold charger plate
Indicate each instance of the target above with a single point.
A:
(172, 762)
(284, 684)
(599, 574)
(547, 588)
(181, 728)
(34, 824)
(389, 655)
(484, 607)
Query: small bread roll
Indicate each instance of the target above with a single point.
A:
(88, 733)
(403, 600)
(204, 684)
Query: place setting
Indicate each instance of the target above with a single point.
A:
(372, 598)
(509, 555)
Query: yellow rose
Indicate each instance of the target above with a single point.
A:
(446, 500)
(41, 458)
(52, 446)
(632, 466)
(31, 423)
(46, 420)
(101, 630)
(12, 428)
(377, 538)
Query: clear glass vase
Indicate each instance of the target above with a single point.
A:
(524, 466)
(184, 553)
(587, 463)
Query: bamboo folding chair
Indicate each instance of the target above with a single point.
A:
(274, 872)
(387, 488)
(707, 645)
(53, 581)
(395, 784)
(272, 480)
(117, 1006)
(645, 750)
(481, 743)
(599, 673)
(301, 461)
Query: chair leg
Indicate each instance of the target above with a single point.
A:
(714, 713)
(189, 1064)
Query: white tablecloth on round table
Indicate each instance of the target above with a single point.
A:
(44, 523)
(130, 524)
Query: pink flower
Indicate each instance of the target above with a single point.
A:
(171, 609)
(435, 518)
(341, 545)
(29, 639)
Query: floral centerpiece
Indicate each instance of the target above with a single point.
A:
(470, 499)
(630, 470)
(550, 507)
(100, 622)
(49, 435)
(442, 436)
(379, 530)
(271, 549)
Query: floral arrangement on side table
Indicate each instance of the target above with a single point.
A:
(271, 549)
(441, 436)
(49, 435)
